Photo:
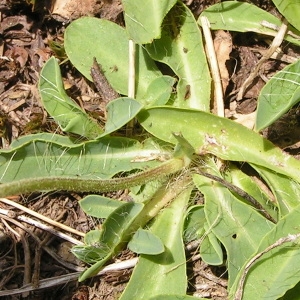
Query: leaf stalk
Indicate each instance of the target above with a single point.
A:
(77, 184)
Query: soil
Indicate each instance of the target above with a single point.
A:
(29, 36)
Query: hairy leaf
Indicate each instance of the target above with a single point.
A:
(285, 190)
(175, 297)
(145, 242)
(244, 17)
(99, 206)
(95, 159)
(166, 272)
(115, 233)
(119, 112)
(181, 48)
(264, 281)
(143, 22)
(210, 249)
(290, 9)
(88, 37)
(278, 95)
(194, 223)
(158, 92)
(222, 137)
(247, 184)
(69, 116)
(233, 223)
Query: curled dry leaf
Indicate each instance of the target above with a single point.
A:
(246, 120)
(66, 10)
(13, 22)
(223, 48)
(18, 54)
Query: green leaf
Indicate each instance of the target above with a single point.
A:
(290, 9)
(195, 228)
(276, 271)
(244, 17)
(92, 251)
(126, 219)
(115, 226)
(145, 242)
(91, 254)
(183, 149)
(145, 193)
(115, 233)
(69, 116)
(285, 190)
(46, 137)
(222, 137)
(98, 206)
(181, 48)
(88, 37)
(143, 22)
(278, 95)
(119, 112)
(247, 184)
(100, 159)
(194, 223)
(164, 273)
(210, 249)
(176, 297)
(158, 92)
(92, 237)
(238, 226)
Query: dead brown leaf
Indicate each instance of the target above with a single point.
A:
(66, 10)
(223, 48)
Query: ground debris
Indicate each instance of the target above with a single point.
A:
(25, 33)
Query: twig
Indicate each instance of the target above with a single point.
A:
(211, 277)
(38, 253)
(27, 258)
(240, 192)
(38, 241)
(49, 229)
(281, 241)
(275, 44)
(40, 225)
(104, 88)
(131, 79)
(212, 59)
(59, 280)
(41, 217)
(276, 28)
(131, 69)
(61, 261)
(278, 55)
(8, 276)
